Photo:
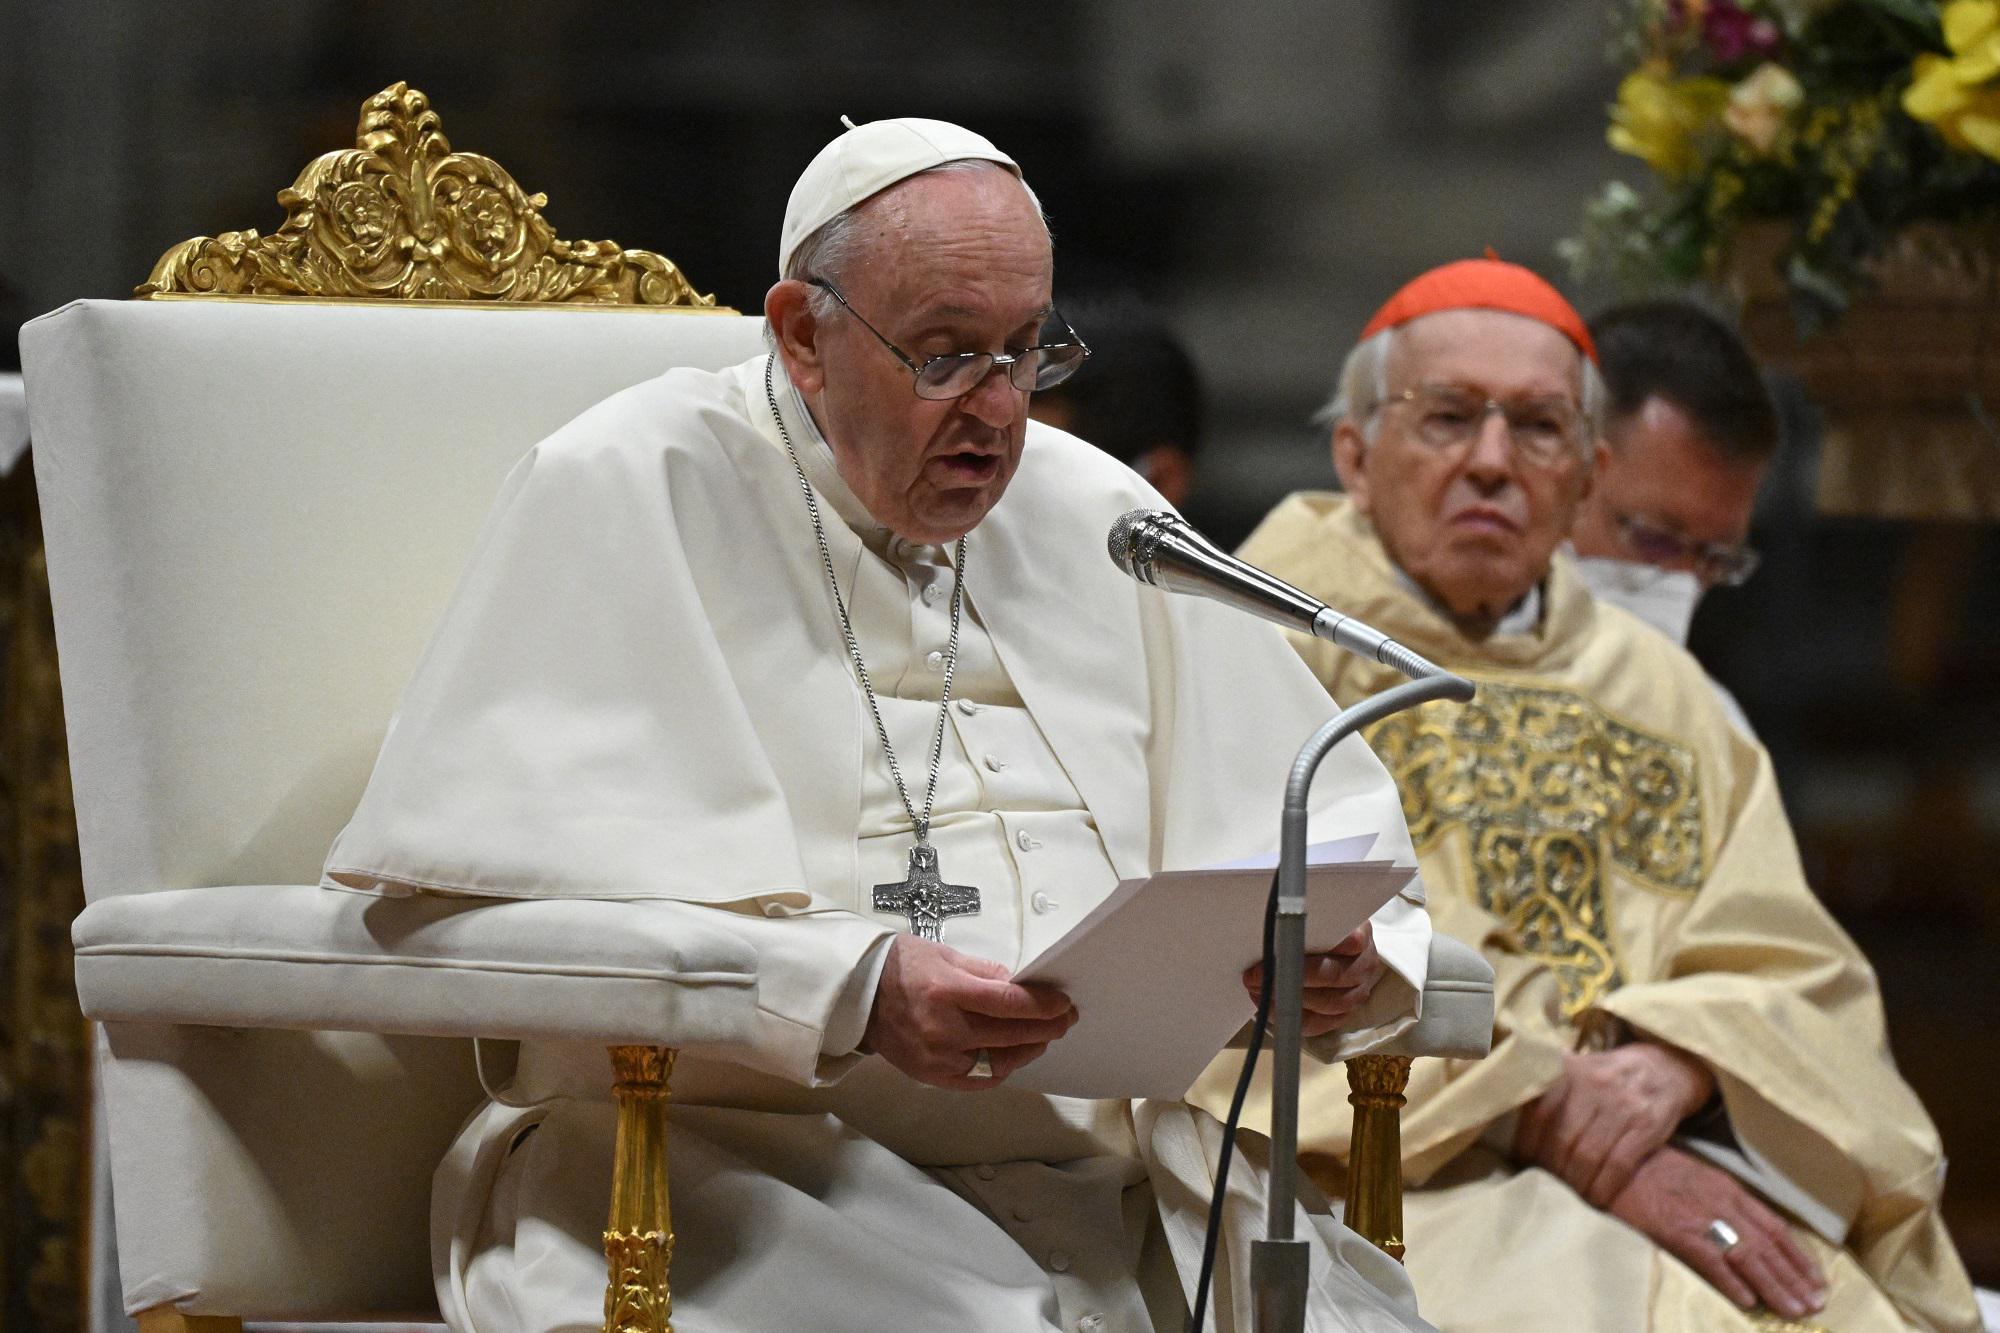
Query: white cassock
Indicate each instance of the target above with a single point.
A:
(641, 691)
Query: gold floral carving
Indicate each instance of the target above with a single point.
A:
(1378, 1079)
(1552, 793)
(637, 1298)
(402, 216)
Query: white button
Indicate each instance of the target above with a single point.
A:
(1026, 841)
(994, 763)
(1090, 1323)
(1042, 903)
(984, 1172)
(932, 591)
(967, 707)
(1059, 1260)
(900, 549)
(935, 661)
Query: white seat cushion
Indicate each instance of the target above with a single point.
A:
(299, 956)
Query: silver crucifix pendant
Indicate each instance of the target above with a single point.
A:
(924, 897)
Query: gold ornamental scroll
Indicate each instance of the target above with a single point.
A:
(400, 216)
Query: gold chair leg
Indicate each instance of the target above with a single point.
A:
(166, 1319)
(1375, 1155)
(639, 1239)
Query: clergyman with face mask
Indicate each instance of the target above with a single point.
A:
(1689, 431)
(1690, 1119)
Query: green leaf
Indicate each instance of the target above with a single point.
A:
(1919, 14)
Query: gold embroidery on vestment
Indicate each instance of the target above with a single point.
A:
(1550, 791)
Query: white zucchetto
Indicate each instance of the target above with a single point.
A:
(868, 159)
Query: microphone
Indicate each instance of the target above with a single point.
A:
(1159, 549)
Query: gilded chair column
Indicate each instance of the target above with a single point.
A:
(1375, 1153)
(639, 1238)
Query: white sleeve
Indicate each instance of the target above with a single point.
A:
(1403, 938)
(816, 975)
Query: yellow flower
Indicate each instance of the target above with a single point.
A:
(1761, 105)
(1657, 118)
(1957, 94)
(1972, 31)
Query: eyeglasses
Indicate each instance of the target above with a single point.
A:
(1544, 431)
(1654, 543)
(1042, 366)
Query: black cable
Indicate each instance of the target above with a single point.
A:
(1250, 1055)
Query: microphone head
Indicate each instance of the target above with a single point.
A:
(1136, 536)
(1124, 536)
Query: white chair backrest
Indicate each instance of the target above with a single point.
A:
(254, 514)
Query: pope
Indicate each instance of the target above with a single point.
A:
(823, 650)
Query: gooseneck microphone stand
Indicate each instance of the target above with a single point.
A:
(1278, 1264)
(1159, 549)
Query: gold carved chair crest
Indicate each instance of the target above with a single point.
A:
(402, 216)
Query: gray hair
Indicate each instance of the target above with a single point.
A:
(832, 250)
(1364, 384)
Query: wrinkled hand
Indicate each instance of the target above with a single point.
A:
(1337, 982)
(936, 1009)
(1609, 1112)
(1674, 1196)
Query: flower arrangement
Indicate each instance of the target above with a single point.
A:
(1846, 121)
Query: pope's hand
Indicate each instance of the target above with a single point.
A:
(936, 1009)
(1337, 982)
(1610, 1111)
(1676, 1198)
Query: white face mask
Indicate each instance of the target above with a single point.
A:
(1663, 598)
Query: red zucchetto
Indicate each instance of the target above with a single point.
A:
(1483, 284)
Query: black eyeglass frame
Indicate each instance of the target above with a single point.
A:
(1063, 369)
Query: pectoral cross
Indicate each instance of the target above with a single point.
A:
(924, 897)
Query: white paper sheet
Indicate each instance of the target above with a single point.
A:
(1156, 971)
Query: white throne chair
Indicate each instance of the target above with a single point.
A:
(258, 487)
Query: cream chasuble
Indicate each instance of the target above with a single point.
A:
(640, 691)
(1597, 827)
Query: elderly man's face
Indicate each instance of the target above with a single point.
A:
(1475, 525)
(952, 262)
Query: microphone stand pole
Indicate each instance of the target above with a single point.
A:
(1278, 1264)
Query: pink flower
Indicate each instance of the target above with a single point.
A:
(1733, 34)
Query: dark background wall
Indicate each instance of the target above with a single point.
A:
(1265, 171)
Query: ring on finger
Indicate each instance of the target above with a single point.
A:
(982, 1065)
(1724, 1235)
